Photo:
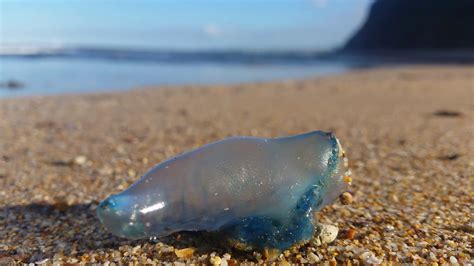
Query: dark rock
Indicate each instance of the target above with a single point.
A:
(450, 157)
(11, 84)
(62, 162)
(447, 113)
(415, 25)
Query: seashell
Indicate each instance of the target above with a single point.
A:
(256, 192)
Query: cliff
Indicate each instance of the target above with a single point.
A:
(415, 25)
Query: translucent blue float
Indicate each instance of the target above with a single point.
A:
(256, 192)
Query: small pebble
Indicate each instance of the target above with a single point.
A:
(224, 263)
(328, 233)
(166, 249)
(216, 260)
(369, 258)
(346, 198)
(185, 252)
(136, 249)
(313, 258)
(80, 160)
(453, 260)
(351, 233)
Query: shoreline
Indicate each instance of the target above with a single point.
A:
(265, 83)
(88, 75)
(407, 132)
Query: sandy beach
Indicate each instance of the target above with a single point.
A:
(407, 131)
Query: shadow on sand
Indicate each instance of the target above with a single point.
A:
(38, 231)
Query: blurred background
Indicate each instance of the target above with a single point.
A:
(71, 46)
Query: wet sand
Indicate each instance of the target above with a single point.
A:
(407, 131)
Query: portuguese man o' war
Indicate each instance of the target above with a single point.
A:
(258, 193)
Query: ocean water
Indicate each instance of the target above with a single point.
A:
(81, 70)
(63, 70)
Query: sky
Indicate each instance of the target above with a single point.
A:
(182, 24)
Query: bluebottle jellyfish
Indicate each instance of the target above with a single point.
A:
(258, 193)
